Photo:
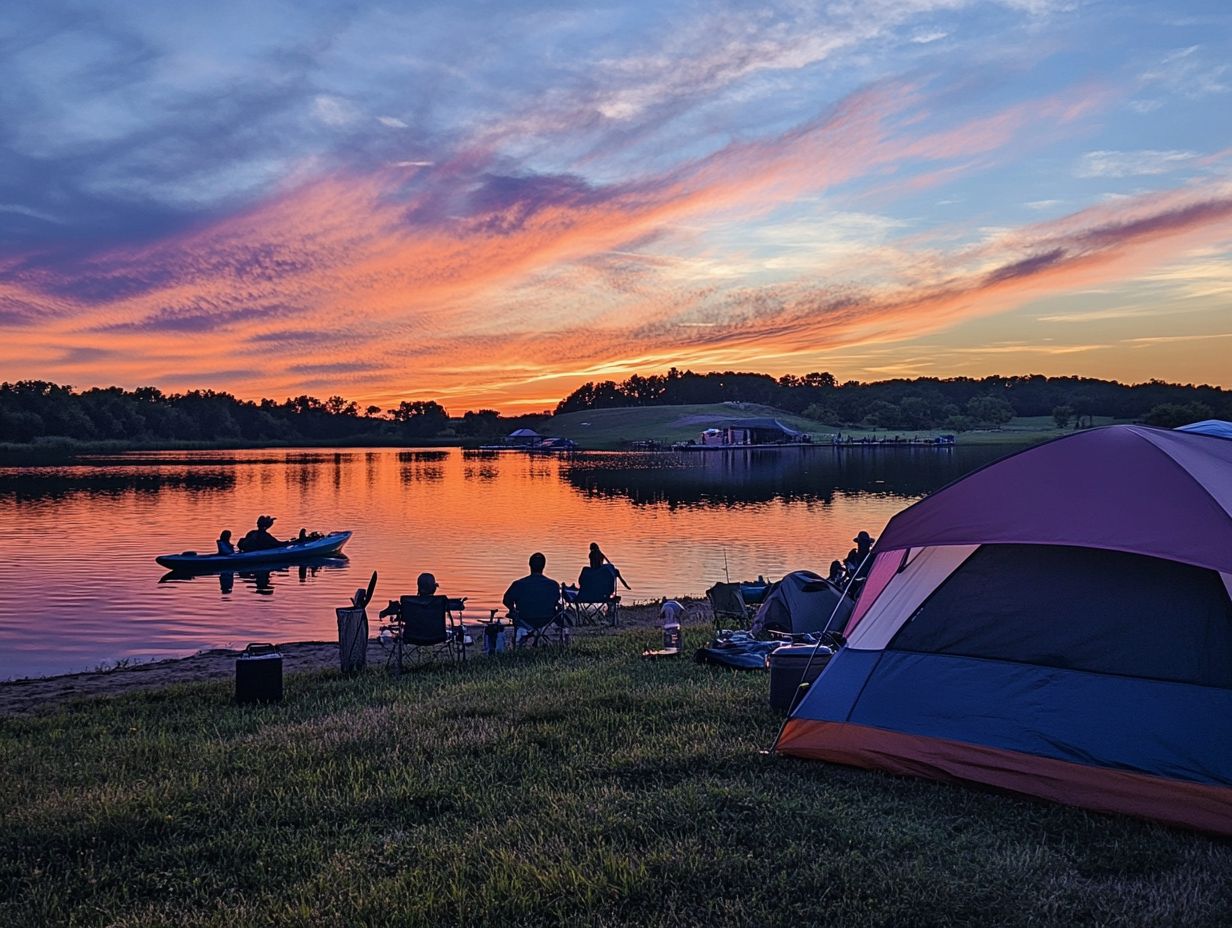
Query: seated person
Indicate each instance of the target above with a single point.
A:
(426, 585)
(858, 561)
(259, 539)
(425, 588)
(534, 598)
(837, 575)
(596, 583)
(224, 543)
(607, 565)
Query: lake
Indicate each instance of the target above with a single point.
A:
(79, 586)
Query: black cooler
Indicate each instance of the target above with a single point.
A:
(258, 675)
(787, 671)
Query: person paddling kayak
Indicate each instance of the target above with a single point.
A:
(260, 539)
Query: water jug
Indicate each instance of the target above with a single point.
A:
(673, 638)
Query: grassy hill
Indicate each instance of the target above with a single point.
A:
(614, 428)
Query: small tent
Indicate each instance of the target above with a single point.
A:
(1059, 624)
(802, 602)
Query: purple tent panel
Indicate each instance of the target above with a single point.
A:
(1148, 491)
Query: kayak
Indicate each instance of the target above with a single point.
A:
(261, 572)
(326, 546)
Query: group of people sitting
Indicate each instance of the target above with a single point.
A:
(536, 597)
(260, 539)
(850, 572)
(537, 594)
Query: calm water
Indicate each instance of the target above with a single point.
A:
(79, 586)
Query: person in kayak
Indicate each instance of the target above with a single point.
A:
(224, 542)
(260, 539)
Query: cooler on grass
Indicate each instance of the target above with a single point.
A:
(787, 671)
(258, 675)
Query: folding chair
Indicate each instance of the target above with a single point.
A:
(599, 612)
(727, 602)
(427, 629)
(535, 631)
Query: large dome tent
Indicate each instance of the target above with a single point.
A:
(1059, 624)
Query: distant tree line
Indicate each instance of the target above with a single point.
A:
(955, 404)
(35, 409)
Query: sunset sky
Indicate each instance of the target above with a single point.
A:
(488, 204)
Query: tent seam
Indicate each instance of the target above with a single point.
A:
(1218, 505)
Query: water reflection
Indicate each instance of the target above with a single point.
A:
(734, 478)
(56, 483)
(260, 581)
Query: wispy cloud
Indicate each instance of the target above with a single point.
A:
(334, 111)
(1132, 163)
(1190, 72)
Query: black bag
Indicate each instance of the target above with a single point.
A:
(258, 675)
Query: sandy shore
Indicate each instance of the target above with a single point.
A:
(22, 697)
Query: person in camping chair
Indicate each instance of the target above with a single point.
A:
(533, 596)
(596, 583)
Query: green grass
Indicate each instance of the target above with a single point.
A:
(604, 429)
(585, 787)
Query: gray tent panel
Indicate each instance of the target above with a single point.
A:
(802, 602)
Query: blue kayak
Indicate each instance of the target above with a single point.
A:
(326, 546)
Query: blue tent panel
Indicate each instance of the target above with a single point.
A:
(1164, 729)
(1217, 427)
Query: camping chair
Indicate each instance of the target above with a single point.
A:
(600, 612)
(533, 631)
(727, 602)
(426, 627)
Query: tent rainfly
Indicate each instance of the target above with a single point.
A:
(1220, 428)
(1057, 624)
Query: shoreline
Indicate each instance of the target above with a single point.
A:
(35, 695)
(58, 451)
